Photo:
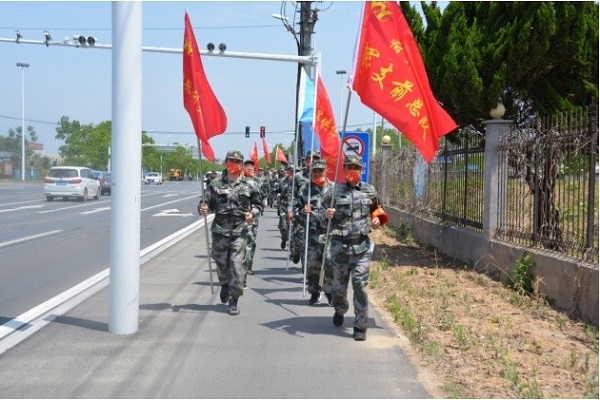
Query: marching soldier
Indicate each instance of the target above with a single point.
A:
(251, 248)
(356, 210)
(309, 199)
(284, 198)
(300, 179)
(235, 203)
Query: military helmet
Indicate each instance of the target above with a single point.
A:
(234, 155)
(319, 164)
(353, 160)
(289, 168)
(249, 162)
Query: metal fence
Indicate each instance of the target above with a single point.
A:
(450, 188)
(548, 194)
(455, 182)
(547, 183)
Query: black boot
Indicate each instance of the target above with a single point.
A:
(233, 307)
(360, 334)
(224, 293)
(314, 298)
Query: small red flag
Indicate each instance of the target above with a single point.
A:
(206, 113)
(254, 155)
(390, 78)
(266, 150)
(279, 156)
(325, 128)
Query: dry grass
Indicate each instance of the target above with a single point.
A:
(479, 338)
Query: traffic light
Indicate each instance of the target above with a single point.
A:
(262, 131)
(247, 131)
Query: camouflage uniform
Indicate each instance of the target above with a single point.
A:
(300, 179)
(350, 248)
(263, 182)
(229, 201)
(256, 183)
(284, 198)
(313, 194)
(273, 188)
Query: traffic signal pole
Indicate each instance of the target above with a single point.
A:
(126, 115)
(308, 59)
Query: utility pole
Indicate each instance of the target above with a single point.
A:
(308, 18)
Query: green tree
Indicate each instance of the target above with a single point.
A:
(12, 143)
(85, 145)
(538, 58)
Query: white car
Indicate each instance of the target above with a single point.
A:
(79, 182)
(153, 178)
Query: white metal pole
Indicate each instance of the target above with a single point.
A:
(341, 73)
(374, 135)
(22, 123)
(127, 160)
(22, 66)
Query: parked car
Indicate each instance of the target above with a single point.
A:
(153, 178)
(67, 181)
(104, 177)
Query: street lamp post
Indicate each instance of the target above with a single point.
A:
(341, 73)
(22, 66)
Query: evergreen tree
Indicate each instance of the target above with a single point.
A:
(537, 58)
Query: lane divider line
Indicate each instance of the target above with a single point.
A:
(24, 239)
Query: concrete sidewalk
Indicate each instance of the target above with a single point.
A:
(188, 346)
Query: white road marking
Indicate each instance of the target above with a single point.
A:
(21, 327)
(20, 208)
(95, 210)
(174, 212)
(29, 238)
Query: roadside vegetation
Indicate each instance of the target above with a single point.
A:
(479, 337)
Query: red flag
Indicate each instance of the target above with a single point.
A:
(206, 113)
(254, 155)
(279, 156)
(266, 150)
(325, 128)
(390, 78)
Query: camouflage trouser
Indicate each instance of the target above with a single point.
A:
(344, 264)
(314, 257)
(297, 244)
(229, 253)
(251, 247)
(283, 227)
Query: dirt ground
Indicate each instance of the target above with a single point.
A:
(473, 337)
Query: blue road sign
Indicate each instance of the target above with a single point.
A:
(357, 144)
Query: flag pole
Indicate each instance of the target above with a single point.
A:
(202, 191)
(305, 267)
(335, 183)
(287, 264)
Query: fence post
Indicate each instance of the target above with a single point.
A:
(493, 129)
(386, 149)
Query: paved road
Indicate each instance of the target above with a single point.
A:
(188, 346)
(49, 247)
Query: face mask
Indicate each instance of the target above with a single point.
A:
(233, 168)
(318, 180)
(352, 176)
(249, 173)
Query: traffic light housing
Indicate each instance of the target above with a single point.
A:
(262, 131)
(247, 131)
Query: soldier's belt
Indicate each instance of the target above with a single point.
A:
(228, 219)
(350, 240)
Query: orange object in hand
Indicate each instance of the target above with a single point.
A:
(379, 213)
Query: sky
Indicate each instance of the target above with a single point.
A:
(76, 82)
